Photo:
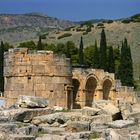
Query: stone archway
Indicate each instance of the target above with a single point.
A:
(107, 84)
(90, 87)
(76, 86)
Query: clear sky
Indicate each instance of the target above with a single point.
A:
(74, 9)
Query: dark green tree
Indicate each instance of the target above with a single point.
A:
(126, 65)
(71, 51)
(95, 59)
(29, 44)
(110, 60)
(88, 55)
(103, 51)
(81, 54)
(117, 56)
(7, 46)
(60, 48)
(39, 44)
(1, 66)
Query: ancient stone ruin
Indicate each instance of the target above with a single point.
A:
(44, 74)
(47, 99)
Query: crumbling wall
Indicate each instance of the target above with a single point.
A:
(36, 73)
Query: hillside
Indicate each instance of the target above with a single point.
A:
(17, 28)
(116, 31)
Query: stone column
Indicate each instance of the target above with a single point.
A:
(98, 93)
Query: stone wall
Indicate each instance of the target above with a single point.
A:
(36, 73)
(44, 74)
(96, 84)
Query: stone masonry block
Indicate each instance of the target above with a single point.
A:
(39, 87)
(37, 79)
(38, 69)
(49, 86)
(18, 87)
(47, 79)
(28, 87)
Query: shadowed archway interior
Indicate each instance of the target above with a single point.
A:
(90, 87)
(76, 85)
(107, 84)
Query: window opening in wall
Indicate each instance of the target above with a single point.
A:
(29, 77)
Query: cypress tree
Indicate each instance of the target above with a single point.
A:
(117, 56)
(39, 44)
(103, 51)
(111, 62)
(126, 65)
(81, 54)
(1, 66)
(96, 56)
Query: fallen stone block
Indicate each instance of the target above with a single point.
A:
(8, 127)
(51, 137)
(23, 114)
(77, 126)
(26, 129)
(121, 123)
(20, 137)
(134, 115)
(108, 108)
(111, 134)
(125, 109)
(51, 130)
(88, 111)
(134, 137)
(50, 119)
(32, 102)
(29, 114)
(98, 127)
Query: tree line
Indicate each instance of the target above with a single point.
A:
(113, 60)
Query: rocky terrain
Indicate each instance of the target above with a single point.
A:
(17, 28)
(31, 119)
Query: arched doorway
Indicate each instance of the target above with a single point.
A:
(76, 85)
(107, 84)
(90, 87)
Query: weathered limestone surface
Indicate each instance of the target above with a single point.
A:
(88, 111)
(44, 74)
(65, 125)
(23, 114)
(32, 102)
(38, 73)
(20, 137)
(121, 123)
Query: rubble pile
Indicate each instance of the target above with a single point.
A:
(31, 119)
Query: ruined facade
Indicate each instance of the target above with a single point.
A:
(38, 73)
(42, 73)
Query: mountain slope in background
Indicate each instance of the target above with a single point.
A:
(115, 30)
(17, 28)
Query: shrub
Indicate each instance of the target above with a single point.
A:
(67, 29)
(110, 21)
(80, 29)
(100, 24)
(88, 29)
(126, 21)
(64, 35)
(94, 135)
(85, 33)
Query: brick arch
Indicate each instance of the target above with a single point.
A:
(91, 83)
(107, 85)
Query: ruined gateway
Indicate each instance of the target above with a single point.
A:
(44, 74)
